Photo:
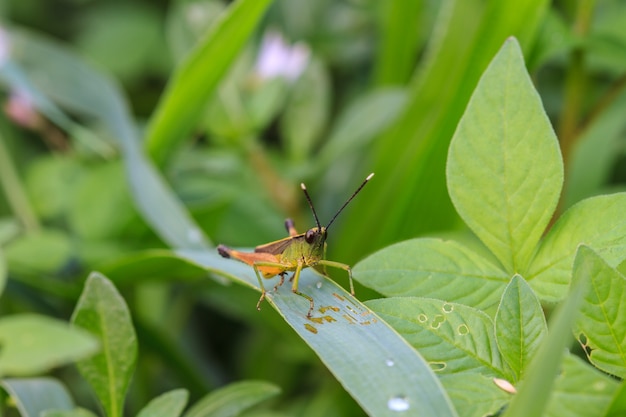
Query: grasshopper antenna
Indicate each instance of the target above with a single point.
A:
(369, 177)
(308, 198)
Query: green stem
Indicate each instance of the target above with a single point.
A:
(14, 191)
(575, 83)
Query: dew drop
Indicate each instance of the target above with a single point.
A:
(422, 318)
(447, 308)
(390, 362)
(398, 403)
(318, 284)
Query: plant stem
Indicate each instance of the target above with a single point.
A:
(14, 190)
(575, 82)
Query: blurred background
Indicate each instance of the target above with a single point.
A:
(325, 92)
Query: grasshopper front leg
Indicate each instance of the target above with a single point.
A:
(294, 288)
(339, 265)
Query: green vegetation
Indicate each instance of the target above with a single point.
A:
(489, 251)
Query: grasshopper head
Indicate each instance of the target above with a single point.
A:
(316, 236)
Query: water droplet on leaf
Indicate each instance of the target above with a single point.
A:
(398, 403)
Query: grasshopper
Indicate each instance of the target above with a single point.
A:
(293, 253)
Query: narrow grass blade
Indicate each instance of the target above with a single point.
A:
(195, 80)
(374, 364)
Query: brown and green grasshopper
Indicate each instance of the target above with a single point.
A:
(293, 253)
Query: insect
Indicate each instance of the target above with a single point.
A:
(293, 253)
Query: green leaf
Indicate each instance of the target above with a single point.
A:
(475, 394)
(102, 311)
(601, 326)
(520, 325)
(399, 40)
(580, 390)
(452, 337)
(3, 271)
(76, 412)
(170, 404)
(534, 391)
(232, 399)
(598, 222)
(33, 396)
(46, 70)
(443, 269)
(360, 123)
(101, 205)
(151, 265)
(617, 407)
(32, 344)
(504, 168)
(46, 251)
(373, 363)
(306, 112)
(411, 155)
(593, 155)
(196, 78)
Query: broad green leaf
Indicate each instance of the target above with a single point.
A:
(33, 396)
(101, 205)
(50, 182)
(520, 325)
(231, 400)
(534, 390)
(452, 337)
(477, 395)
(34, 344)
(601, 325)
(580, 390)
(170, 404)
(598, 222)
(101, 310)
(373, 363)
(76, 412)
(46, 251)
(504, 168)
(442, 269)
(196, 78)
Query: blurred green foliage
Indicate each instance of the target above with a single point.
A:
(383, 89)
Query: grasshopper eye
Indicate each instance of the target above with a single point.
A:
(309, 236)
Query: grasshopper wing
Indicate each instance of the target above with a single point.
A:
(277, 247)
